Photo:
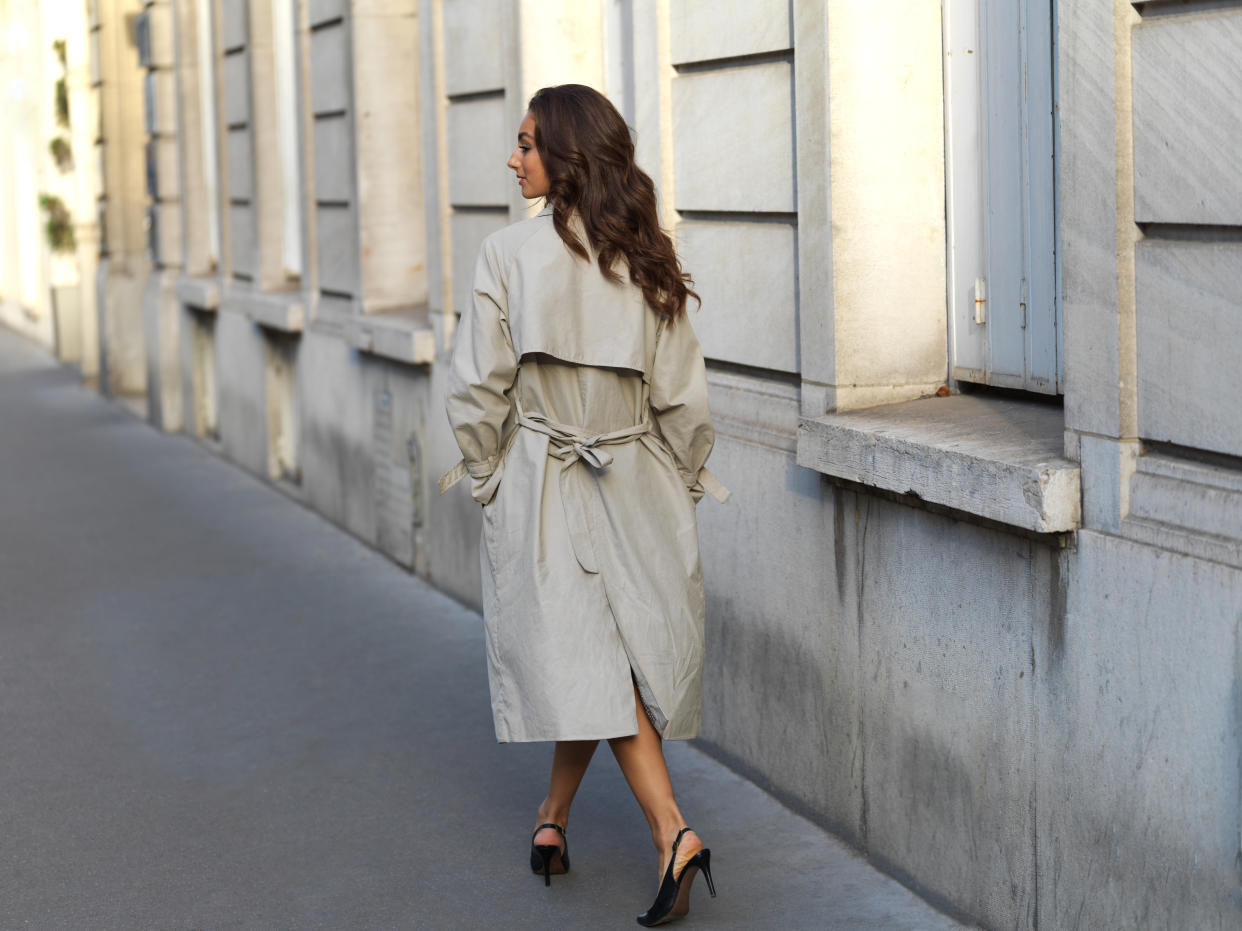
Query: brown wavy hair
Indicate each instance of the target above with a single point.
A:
(587, 152)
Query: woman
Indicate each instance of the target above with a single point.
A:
(578, 396)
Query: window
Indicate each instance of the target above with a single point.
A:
(1004, 313)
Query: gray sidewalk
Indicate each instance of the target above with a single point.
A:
(219, 711)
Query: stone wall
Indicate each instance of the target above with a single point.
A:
(992, 641)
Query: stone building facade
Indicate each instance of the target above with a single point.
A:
(993, 639)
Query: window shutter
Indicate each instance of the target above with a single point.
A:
(1002, 261)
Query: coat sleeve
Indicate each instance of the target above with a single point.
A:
(679, 401)
(481, 373)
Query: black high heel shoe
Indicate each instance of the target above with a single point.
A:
(673, 899)
(541, 854)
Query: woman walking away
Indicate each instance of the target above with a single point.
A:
(578, 396)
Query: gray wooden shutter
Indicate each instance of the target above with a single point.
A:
(1003, 308)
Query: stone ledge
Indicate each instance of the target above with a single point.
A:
(200, 293)
(404, 336)
(276, 311)
(1000, 459)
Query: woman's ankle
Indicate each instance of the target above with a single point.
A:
(552, 813)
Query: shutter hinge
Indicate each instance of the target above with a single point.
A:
(981, 302)
(1023, 305)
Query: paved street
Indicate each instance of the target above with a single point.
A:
(219, 711)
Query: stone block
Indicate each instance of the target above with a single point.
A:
(1191, 507)
(161, 108)
(947, 705)
(240, 164)
(723, 164)
(331, 79)
(168, 229)
(160, 19)
(702, 30)
(321, 11)
(468, 230)
(998, 458)
(1106, 468)
(478, 146)
(782, 674)
(389, 155)
(236, 68)
(241, 372)
(1189, 344)
(1088, 206)
(334, 389)
(242, 241)
(167, 168)
(749, 313)
(334, 159)
(1140, 737)
(1187, 125)
(886, 123)
(336, 233)
(234, 24)
(474, 46)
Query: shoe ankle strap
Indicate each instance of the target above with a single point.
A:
(548, 824)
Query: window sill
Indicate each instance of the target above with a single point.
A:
(283, 311)
(199, 293)
(403, 336)
(1000, 459)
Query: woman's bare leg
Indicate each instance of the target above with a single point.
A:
(641, 759)
(570, 760)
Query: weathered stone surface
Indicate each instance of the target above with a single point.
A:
(200, 293)
(783, 673)
(705, 29)
(233, 24)
(946, 693)
(1088, 216)
(167, 168)
(468, 231)
(816, 333)
(1189, 348)
(337, 233)
(406, 337)
(1187, 125)
(243, 260)
(336, 411)
(235, 70)
(330, 75)
(240, 163)
(280, 311)
(334, 159)
(474, 46)
(1138, 801)
(1187, 506)
(161, 20)
(243, 417)
(722, 163)
(1106, 467)
(479, 144)
(998, 459)
(748, 312)
(321, 11)
(392, 227)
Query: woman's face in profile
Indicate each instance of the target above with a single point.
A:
(526, 162)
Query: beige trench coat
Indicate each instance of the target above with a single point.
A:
(583, 424)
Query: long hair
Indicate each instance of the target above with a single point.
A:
(588, 155)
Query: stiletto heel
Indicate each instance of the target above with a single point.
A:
(673, 899)
(541, 854)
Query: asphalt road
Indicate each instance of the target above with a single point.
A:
(217, 710)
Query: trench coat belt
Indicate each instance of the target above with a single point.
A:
(571, 447)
